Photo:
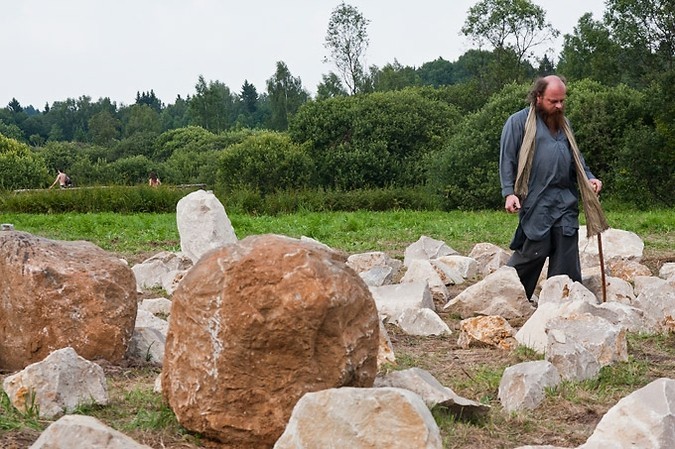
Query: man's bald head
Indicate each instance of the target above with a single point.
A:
(541, 84)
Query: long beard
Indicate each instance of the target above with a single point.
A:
(553, 120)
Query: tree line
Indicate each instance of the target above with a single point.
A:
(434, 126)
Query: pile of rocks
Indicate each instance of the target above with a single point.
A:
(277, 342)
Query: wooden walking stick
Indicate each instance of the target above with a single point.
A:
(602, 268)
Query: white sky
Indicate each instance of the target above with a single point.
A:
(52, 50)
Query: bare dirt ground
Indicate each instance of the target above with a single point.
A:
(565, 419)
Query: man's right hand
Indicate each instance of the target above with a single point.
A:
(512, 204)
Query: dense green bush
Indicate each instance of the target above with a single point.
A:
(188, 166)
(265, 162)
(20, 168)
(59, 155)
(644, 171)
(372, 141)
(466, 171)
(196, 139)
(600, 115)
(127, 171)
(139, 144)
(618, 131)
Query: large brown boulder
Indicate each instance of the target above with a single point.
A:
(55, 294)
(255, 325)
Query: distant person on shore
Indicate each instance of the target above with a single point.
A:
(154, 180)
(62, 179)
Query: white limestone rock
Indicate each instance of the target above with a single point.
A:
(523, 386)
(489, 257)
(156, 306)
(579, 345)
(500, 293)
(432, 392)
(203, 224)
(392, 300)
(79, 431)
(467, 267)
(360, 418)
(616, 244)
(643, 419)
(420, 270)
(426, 248)
(150, 272)
(667, 270)
(77, 381)
(422, 322)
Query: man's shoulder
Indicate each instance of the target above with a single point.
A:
(519, 116)
(516, 120)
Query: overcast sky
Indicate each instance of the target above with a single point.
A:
(52, 50)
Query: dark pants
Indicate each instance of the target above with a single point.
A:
(563, 258)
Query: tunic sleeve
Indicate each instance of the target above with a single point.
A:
(509, 147)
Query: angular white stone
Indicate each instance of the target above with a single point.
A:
(426, 248)
(150, 272)
(60, 383)
(667, 270)
(533, 333)
(78, 431)
(658, 304)
(579, 345)
(171, 280)
(375, 259)
(432, 392)
(377, 276)
(500, 293)
(616, 244)
(392, 300)
(643, 419)
(523, 386)
(448, 274)
(628, 317)
(202, 224)
(616, 289)
(422, 322)
(149, 338)
(467, 267)
(561, 289)
(420, 270)
(156, 306)
(489, 257)
(642, 283)
(360, 418)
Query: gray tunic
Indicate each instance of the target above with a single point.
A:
(552, 198)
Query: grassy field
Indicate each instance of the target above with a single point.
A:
(567, 417)
(352, 232)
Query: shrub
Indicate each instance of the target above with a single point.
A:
(600, 115)
(128, 171)
(265, 162)
(20, 168)
(373, 141)
(466, 172)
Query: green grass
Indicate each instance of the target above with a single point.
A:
(12, 419)
(352, 232)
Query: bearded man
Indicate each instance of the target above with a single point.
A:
(539, 165)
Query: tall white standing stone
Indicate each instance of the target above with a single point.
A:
(203, 224)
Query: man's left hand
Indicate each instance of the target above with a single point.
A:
(596, 185)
